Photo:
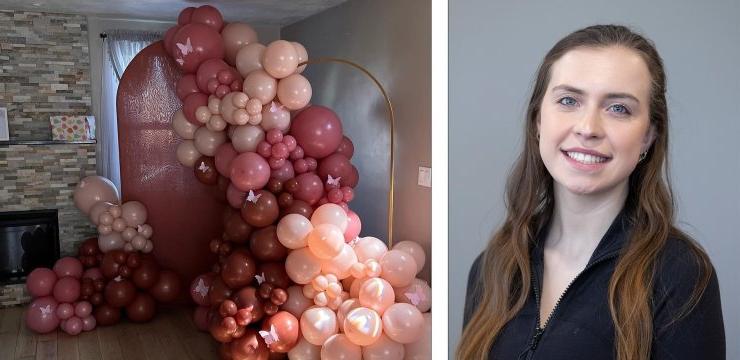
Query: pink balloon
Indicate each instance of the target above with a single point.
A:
(207, 141)
(191, 103)
(41, 316)
(249, 171)
(280, 59)
(98, 209)
(346, 147)
(93, 189)
(260, 85)
(383, 349)
(325, 241)
(208, 15)
(207, 71)
(330, 214)
(195, 43)
(283, 173)
(338, 347)
(247, 137)
(110, 241)
(199, 289)
(399, 268)
(318, 324)
(92, 273)
(413, 249)
(73, 326)
(224, 155)
(185, 16)
(186, 86)
(354, 226)
(292, 231)
(169, 37)
(341, 264)
(294, 92)
(65, 311)
(363, 326)
(304, 350)
(183, 128)
(370, 248)
(187, 154)
(318, 131)
(88, 323)
(235, 197)
(418, 293)
(40, 282)
(297, 303)
(310, 188)
(67, 289)
(201, 317)
(83, 309)
(377, 294)
(302, 56)
(134, 213)
(237, 35)
(249, 58)
(275, 116)
(403, 323)
(302, 266)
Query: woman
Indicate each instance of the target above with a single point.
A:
(588, 264)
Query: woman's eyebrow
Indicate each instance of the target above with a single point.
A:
(575, 90)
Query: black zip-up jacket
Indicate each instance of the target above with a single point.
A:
(581, 327)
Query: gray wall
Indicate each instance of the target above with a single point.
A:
(495, 48)
(392, 39)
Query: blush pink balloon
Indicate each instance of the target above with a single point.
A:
(325, 241)
(304, 350)
(65, 311)
(260, 85)
(67, 289)
(297, 303)
(292, 231)
(302, 266)
(88, 323)
(186, 86)
(275, 116)
(207, 141)
(73, 326)
(249, 171)
(377, 294)
(330, 214)
(83, 309)
(280, 59)
(318, 131)
(187, 154)
(93, 189)
(415, 250)
(338, 347)
(247, 137)
(194, 43)
(418, 293)
(398, 267)
(98, 209)
(354, 226)
(110, 241)
(370, 248)
(191, 103)
(249, 58)
(225, 153)
(383, 349)
(235, 197)
(318, 324)
(341, 264)
(363, 326)
(41, 316)
(403, 323)
(134, 213)
(235, 36)
(344, 309)
(354, 289)
(40, 282)
(302, 56)
(183, 128)
(294, 92)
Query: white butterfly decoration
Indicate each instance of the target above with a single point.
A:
(201, 288)
(203, 167)
(186, 48)
(270, 336)
(180, 61)
(46, 310)
(354, 241)
(252, 197)
(416, 297)
(332, 181)
(260, 278)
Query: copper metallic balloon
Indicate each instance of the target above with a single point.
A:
(107, 315)
(261, 212)
(218, 291)
(239, 269)
(120, 293)
(247, 297)
(251, 346)
(142, 309)
(299, 207)
(205, 170)
(274, 273)
(286, 328)
(236, 229)
(167, 288)
(265, 246)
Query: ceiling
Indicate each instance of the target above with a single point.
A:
(258, 12)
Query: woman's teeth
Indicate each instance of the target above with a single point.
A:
(585, 158)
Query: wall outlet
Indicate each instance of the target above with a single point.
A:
(425, 176)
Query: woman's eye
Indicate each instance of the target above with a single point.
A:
(620, 109)
(567, 101)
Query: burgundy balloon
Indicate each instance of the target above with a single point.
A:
(169, 37)
(191, 103)
(299, 207)
(208, 70)
(275, 274)
(219, 291)
(200, 317)
(265, 246)
(142, 309)
(186, 86)
(89, 247)
(239, 269)
(346, 147)
(248, 296)
(146, 275)
(235, 197)
(120, 293)
(167, 287)
(236, 229)
(336, 165)
(318, 131)
(284, 172)
(208, 15)
(111, 263)
(263, 212)
(185, 16)
(224, 155)
(67, 289)
(310, 188)
(205, 170)
(287, 329)
(194, 43)
(249, 171)
(106, 315)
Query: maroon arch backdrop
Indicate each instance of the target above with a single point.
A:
(184, 213)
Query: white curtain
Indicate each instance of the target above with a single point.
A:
(119, 48)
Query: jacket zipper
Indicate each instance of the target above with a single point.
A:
(539, 331)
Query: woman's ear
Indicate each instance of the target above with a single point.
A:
(649, 139)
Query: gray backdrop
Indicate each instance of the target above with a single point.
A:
(495, 48)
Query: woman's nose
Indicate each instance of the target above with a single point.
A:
(589, 125)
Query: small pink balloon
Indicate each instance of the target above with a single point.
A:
(325, 241)
(249, 171)
(224, 155)
(304, 350)
(363, 326)
(318, 324)
(41, 316)
(187, 154)
(330, 214)
(283, 173)
(65, 311)
(40, 282)
(398, 267)
(145, 230)
(67, 289)
(302, 266)
(280, 59)
(403, 323)
(138, 242)
(275, 116)
(338, 347)
(106, 219)
(128, 247)
(149, 247)
(297, 303)
(208, 15)
(98, 209)
(115, 210)
(346, 147)
(354, 226)
(354, 290)
(73, 326)
(370, 248)
(294, 92)
(344, 308)
(88, 323)
(235, 197)
(418, 293)
(119, 225)
(93, 189)
(415, 250)
(292, 231)
(92, 273)
(383, 349)
(377, 294)
(260, 85)
(191, 103)
(341, 264)
(128, 233)
(310, 187)
(83, 309)
(134, 213)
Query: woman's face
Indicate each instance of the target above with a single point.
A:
(594, 118)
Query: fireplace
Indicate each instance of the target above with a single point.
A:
(28, 239)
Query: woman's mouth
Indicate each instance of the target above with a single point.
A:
(585, 161)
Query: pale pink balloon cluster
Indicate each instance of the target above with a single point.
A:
(119, 226)
(358, 299)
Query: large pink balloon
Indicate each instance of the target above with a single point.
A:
(318, 324)
(415, 250)
(403, 323)
(292, 231)
(377, 294)
(354, 226)
(370, 248)
(41, 316)
(325, 241)
(40, 282)
(195, 43)
(183, 128)
(207, 141)
(237, 35)
(280, 59)
(169, 37)
(134, 213)
(249, 58)
(318, 131)
(92, 189)
(399, 268)
(294, 92)
(208, 70)
(67, 289)
(341, 264)
(302, 266)
(338, 347)
(302, 56)
(383, 349)
(68, 266)
(330, 214)
(363, 326)
(275, 116)
(260, 85)
(297, 303)
(249, 171)
(110, 241)
(224, 155)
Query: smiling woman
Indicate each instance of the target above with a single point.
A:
(588, 263)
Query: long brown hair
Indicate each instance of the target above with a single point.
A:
(506, 271)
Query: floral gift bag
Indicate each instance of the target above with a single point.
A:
(71, 128)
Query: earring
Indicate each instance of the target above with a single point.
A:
(538, 136)
(642, 156)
